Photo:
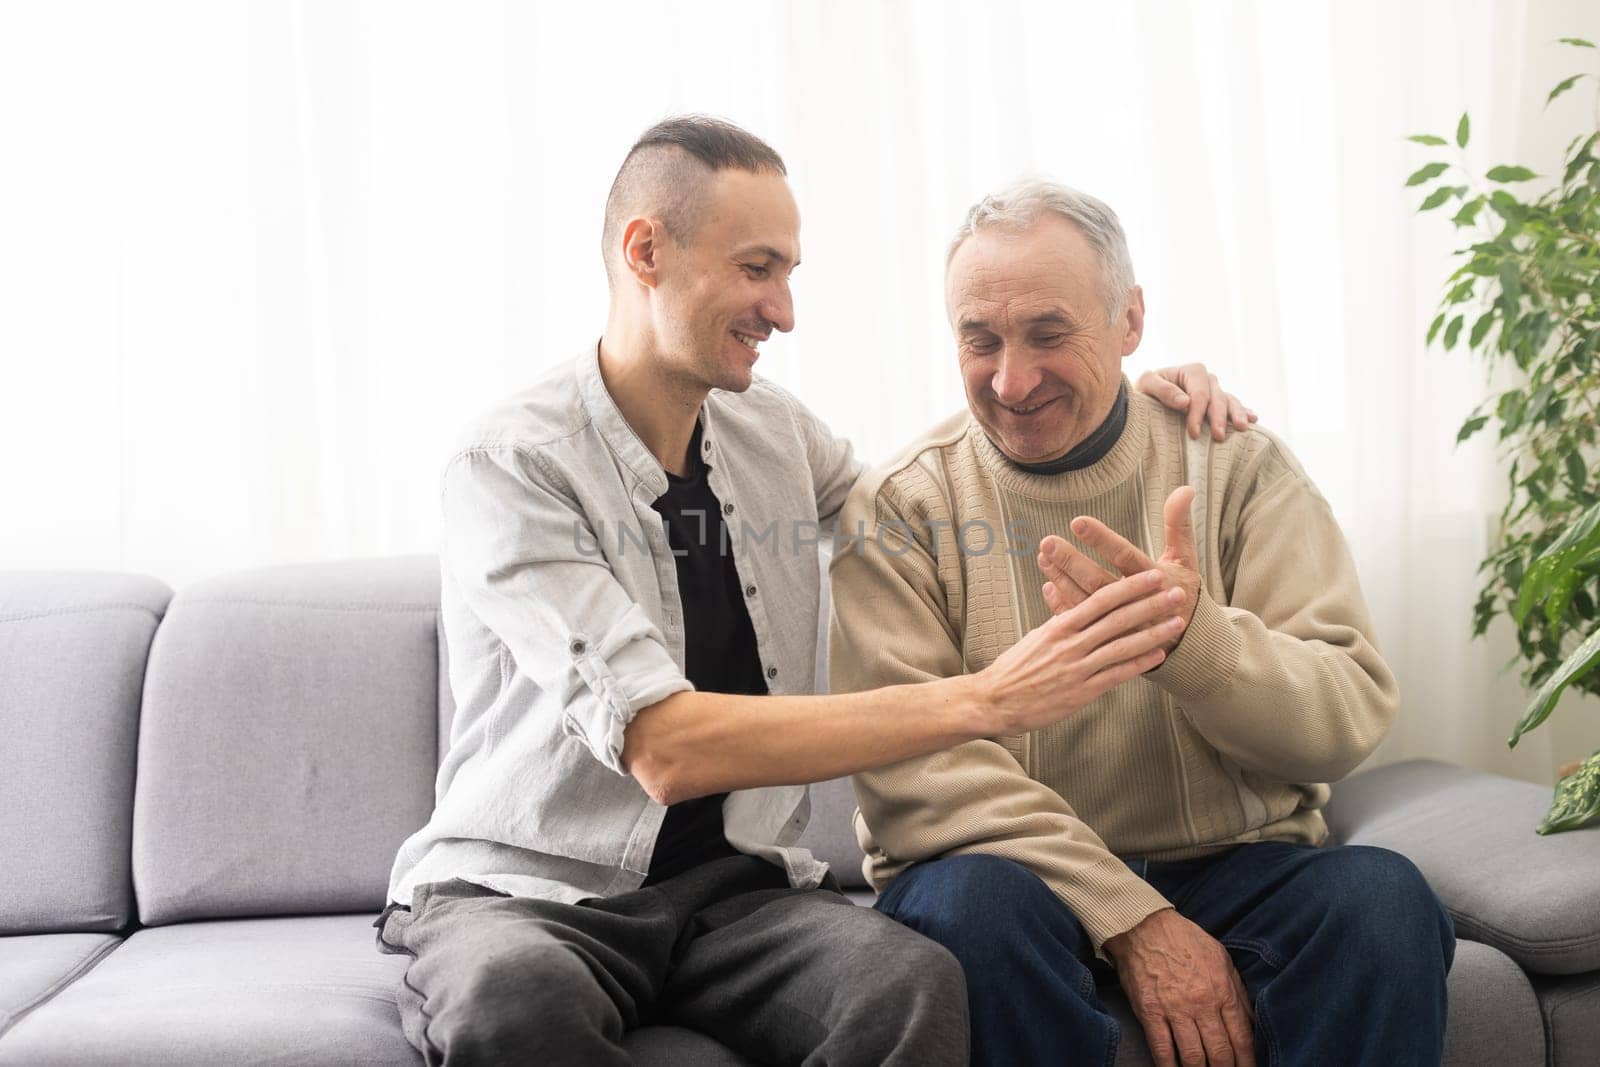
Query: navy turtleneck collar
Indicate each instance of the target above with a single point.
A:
(1091, 449)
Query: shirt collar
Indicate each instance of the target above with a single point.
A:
(620, 437)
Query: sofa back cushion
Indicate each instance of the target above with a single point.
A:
(72, 661)
(289, 739)
(831, 835)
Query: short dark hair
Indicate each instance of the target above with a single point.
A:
(667, 168)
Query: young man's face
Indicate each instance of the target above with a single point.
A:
(728, 288)
(1040, 363)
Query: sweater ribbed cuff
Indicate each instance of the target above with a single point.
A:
(1109, 899)
(1206, 657)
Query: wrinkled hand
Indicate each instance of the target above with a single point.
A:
(1185, 992)
(1066, 662)
(1193, 389)
(1074, 576)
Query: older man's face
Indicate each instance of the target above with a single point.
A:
(1040, 362)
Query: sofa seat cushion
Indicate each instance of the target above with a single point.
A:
(1494, 1019)
(35, 967)
(289, 990)
(1571, 1007)
(1471, 834)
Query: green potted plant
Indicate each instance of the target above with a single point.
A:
(1526, 295)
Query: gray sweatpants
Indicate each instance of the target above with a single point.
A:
(777, 974)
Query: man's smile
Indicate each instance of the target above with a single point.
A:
(1030, 409)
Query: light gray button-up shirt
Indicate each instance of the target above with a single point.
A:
(561, 613)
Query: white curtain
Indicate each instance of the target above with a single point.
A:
(259, 261)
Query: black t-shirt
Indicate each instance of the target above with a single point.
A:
(719, 649)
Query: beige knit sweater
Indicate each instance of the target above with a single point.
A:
(1275, 688)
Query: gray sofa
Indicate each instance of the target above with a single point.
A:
(201, 795)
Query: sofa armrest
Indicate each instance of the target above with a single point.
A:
(1537, 899)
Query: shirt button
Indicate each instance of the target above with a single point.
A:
(772, 672)
(749, 590)
(705, 446)
(727, 509)
(578, 648)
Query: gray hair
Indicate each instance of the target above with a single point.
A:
(1021, 205)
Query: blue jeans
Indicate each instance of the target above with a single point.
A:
(1344, 952)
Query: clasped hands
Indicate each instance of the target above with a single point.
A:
(1179, 980)
(1074, 577)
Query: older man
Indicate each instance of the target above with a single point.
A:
(1172, 826)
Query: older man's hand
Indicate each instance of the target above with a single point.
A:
(1186, 993)
(1196, 390)
(1074, 577)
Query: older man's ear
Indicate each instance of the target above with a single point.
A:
(1193, 389)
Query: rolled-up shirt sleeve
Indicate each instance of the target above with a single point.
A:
(529, 564)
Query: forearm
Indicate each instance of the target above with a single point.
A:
(975, 799)
(1293, 709)
(694, 744)
(1279, 668)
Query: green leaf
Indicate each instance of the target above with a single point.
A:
(1510, 284)
(1506, 206)
(1578, 42)
(1427, 139)
(1576, 800)
(1561, 88)
(1555, 604)
(1577, 473)
(1468, 212)
(1581, 536)
(1541, 401)
(1583, 355)
(1452, 331)
(1513, 572)
(1496, 174)
(1480, 329)
(1437, 197)
(1579, 663)
(1427, 173)
(1433, 330)
(1564, 557)
(1462, 129)
(1462, 291)
(1510, 409)
(1470, 427)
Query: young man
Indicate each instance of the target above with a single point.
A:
(630, 597)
